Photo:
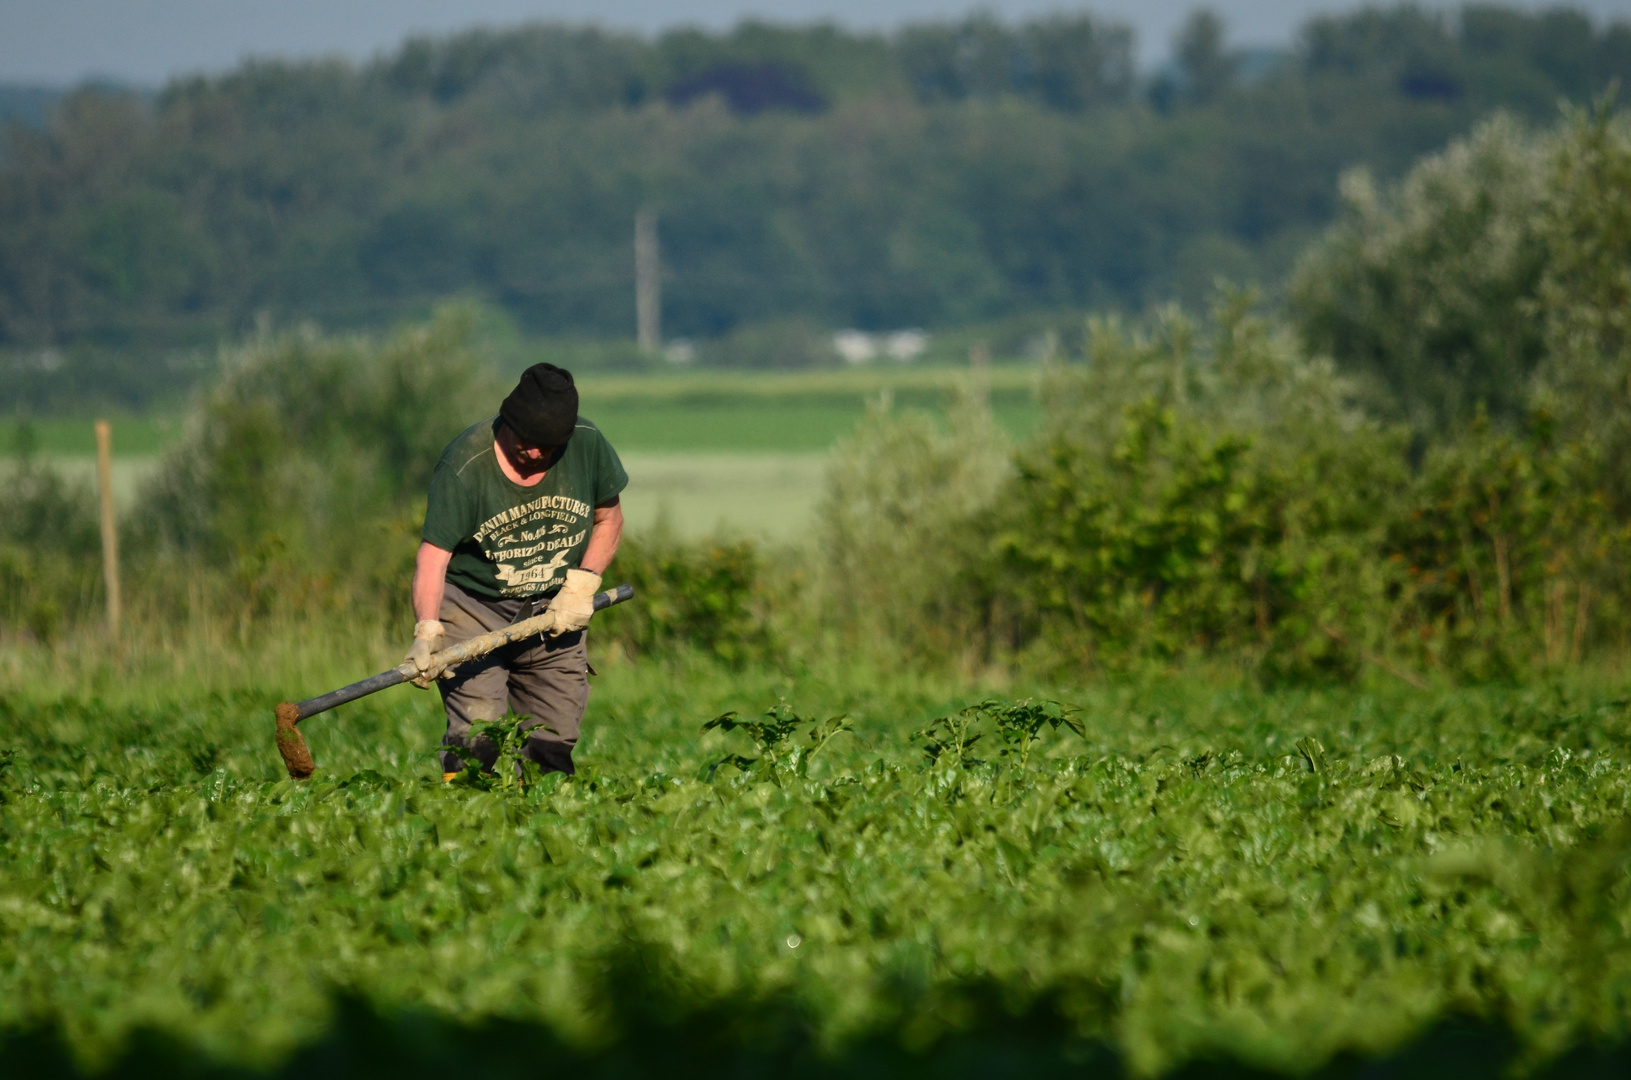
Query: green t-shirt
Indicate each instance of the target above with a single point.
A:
(510, 540)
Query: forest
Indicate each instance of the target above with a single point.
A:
(804, 179)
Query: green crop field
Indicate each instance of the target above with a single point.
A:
(1197, 870)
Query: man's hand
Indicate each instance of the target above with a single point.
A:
(575, 603)
(427, 640)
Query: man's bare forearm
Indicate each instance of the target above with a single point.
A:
(604, 537)
(429, 581)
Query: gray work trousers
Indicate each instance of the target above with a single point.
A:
(544, 678)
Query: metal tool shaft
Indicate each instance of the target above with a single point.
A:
(450, 657)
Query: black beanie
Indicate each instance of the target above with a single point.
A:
(543, 407)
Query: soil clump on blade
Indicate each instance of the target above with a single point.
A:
(296, 755)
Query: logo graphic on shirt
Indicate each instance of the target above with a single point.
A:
(558, 507)
(532, 575)
(529, 544)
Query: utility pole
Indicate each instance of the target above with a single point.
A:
(110, 532)
(648, 297)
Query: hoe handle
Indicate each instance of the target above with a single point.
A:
(450, 657)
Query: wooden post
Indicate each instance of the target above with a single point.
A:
(110, 532)
(979, 366)
(648, 303)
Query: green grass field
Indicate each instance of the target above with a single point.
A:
(58, 437)
(706, 452)
(748, 427)
(767, 496)
(1203, 871)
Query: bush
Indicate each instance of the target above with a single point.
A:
(50, 572)
(1226, 508)
(311, 458)
(1220, 496)
(897, 525)
(1508, 550)
(709, 596)
(1167, 545)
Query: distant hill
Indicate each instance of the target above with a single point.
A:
(945, 174)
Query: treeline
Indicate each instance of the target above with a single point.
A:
(1201, 490)
(804, 178)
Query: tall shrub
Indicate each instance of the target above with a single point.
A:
(304, 468)
(898, 528)
(1425, 288)
(1585, 293)
(50, 574)
(1192, 497)
(1511, 559)
(710, 596)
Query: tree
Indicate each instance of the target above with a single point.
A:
(1208, 69)
(1585, 290)
(1426, 288)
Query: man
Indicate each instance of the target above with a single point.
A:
(524, 512)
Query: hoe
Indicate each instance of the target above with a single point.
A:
(297, 757)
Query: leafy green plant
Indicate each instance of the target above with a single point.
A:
(948, 742)
(780, 756)
(511, 771)
(1201, 871)
(1019, 725)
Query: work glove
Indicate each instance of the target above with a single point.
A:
(427, 640)
(574, 604)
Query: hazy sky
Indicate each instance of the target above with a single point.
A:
(147, 41)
